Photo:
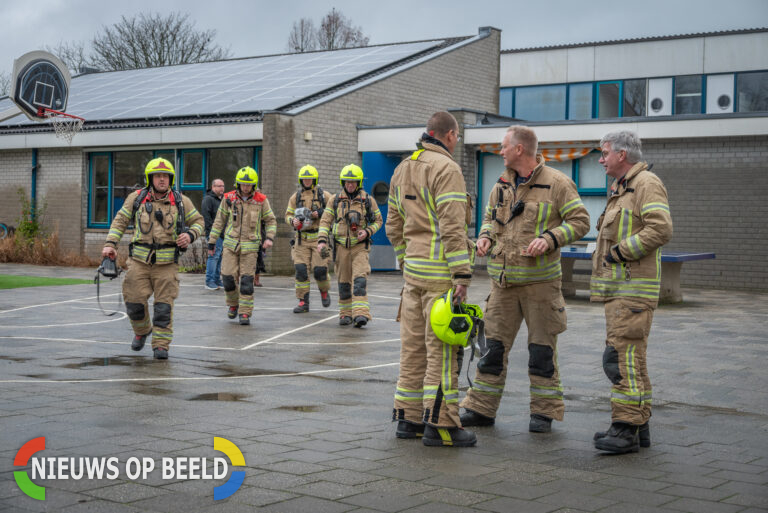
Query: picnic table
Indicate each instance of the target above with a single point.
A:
(671, 264)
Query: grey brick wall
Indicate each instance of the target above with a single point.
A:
(15, 172)
(717, 192)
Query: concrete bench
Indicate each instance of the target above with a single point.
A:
(671, 263)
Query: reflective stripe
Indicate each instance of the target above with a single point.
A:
(403, 394)
(545, 209)
(415, 154)
(649, 207)
(548, 392)
(575, 203)
(436, 245)
(125, 212)
(636, 287)
(487, 388)
(433, 275)
(430, 391)
(568, 234)
(400, 251)
(635, 247)
(291, 210)
(190, 215)
(629, 362)
(115, 232)
(457, 258)
(519, 274)
(618, 396)
(451, 396)
(646, 396)
(451, 196)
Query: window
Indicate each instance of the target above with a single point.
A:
(540, 103)
(688, 94)
(634, 98)
(608, 94)
(580, 101)
(506, 100)
(101, 170)
(752, 91)
(128, 175)
(223, 163)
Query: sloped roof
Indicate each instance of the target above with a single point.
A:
(229, 89)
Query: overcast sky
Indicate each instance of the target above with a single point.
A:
(256, 27)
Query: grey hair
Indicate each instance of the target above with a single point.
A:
(625, 140)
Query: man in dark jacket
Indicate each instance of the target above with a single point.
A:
(210, 207)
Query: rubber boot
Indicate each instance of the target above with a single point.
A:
(344, 321)
(326, 298)
(472, 418)
(409, 430)
(245, 319)
(619, 439)
(360, 321)
(138, 342)
(232, 312)
(160, 353)
(303, 305)
(448, 437)
(644, 434)
(539, 424)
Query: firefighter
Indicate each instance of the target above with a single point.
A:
(427, 225)
(626, 276)
(533, 210)
(305, 208)
(351, 218)
(165, 223)
(239, 217)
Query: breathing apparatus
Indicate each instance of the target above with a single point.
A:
(108, 269)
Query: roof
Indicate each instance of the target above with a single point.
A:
(639, 40)
(230, 90)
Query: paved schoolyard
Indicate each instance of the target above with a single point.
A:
(309, 405)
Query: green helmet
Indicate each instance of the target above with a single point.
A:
(351, 172)
(247, 175)
(308, 171)
(454, 324)
(159, 165)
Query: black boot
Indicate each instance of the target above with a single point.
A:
(303, 305)
(472, 418)
(539, 424)
(619, 439)
(245, 319)
(409, 430)
(138, 342)
(448, 437)
(360, 321)
(343, 321)
(232, 312)
(644, 434)
(326, 299)
(160, 353)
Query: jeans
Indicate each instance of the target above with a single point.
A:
(213, 265)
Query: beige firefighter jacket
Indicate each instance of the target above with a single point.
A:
(635, 225)
(341, 210)
(553, 210)
(311, 199)
(240, 220)
(151, 237)
(429, 211)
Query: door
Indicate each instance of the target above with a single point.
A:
(378, 169)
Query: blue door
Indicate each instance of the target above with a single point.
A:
(378, 169)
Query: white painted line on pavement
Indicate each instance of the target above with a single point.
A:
(25, 326)
(56, 303)
(335, 343)
(270, 339)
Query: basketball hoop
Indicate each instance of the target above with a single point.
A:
(65, 125)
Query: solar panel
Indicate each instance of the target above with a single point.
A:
(243, 85)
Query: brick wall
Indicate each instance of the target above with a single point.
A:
(15, 172)
(717, 192)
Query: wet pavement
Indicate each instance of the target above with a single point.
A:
(308, 403)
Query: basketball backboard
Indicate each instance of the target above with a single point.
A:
(40, 81)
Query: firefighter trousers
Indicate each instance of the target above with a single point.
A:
(427, 388)
(142, 281)
(237, 270)
(542, 307)
(306, 259)
(628, 323)
(352, 269)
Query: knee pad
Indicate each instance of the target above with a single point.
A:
(301, 272)
(229, 282)
(135, 311)
(321, 273)
(540, 361)
(246, 285)
(611, 364)
(162, 316)
(493, 361)
(345, 290)
(360, 283)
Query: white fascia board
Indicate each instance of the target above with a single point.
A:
(648, 130)
(140, 136)
(388, 139)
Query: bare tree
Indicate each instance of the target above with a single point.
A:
(149, 40)
(336, 31)
(5, 83)
(72, 54)
(303, 37)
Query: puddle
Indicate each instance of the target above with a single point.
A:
(218, 396)
(150, 391)
(229, 371)
(14, 359)
(121, 361)
(37, 376)
(299, 408)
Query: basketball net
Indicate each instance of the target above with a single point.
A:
(65, 125)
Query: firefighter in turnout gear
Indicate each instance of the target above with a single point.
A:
(427, 224)
(533, 210)
(239, 218)
(350, 219)
(165, 223)
(305, 208)
(626, 276)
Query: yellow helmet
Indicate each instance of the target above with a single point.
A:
(351, 172)
(454, 324)
(308, 171)
(247, 175)
(159, 165)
